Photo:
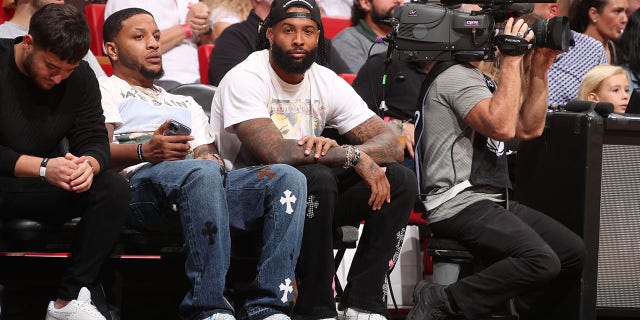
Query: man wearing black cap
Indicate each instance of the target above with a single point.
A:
(238, 41)
(272, 108)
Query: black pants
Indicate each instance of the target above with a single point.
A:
(103, 209)
(339, 197)
(533, 258)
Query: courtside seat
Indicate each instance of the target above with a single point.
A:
(452, 261)
(35, 238)
(20, 235)
(201, 93)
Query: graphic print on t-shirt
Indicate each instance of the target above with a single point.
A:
(297, 118)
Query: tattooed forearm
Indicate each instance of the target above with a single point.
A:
(262, 139)
(205, 149)
(376, 139)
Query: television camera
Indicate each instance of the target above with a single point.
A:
(437, 32)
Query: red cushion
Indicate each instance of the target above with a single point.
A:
(349, 77)
(95, 18)
(333, 25)
(204, 55)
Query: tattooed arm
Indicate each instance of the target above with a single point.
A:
(264, 142)
(377, 140)
(208, 152)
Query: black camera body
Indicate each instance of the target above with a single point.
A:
(436, 32)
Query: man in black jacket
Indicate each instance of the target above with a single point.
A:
(49, 94)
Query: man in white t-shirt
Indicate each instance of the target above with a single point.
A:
(208, 199)
(183, 23)
(272, 108)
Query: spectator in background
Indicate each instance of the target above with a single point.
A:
(629, 50)
(238, 41)
(569, 68)
(208, 199)
(19, 25)
(369, 19)
(603, 20)
(48, 94)
(335, 8)
(225, 13)
(185, 25)
(606, 83)
(401, 92)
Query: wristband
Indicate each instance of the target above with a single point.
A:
(187, 31)
(140, 156)
(43, 168)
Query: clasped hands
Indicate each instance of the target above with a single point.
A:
(198, 18)
(70, 173)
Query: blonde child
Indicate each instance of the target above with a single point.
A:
(606, 83)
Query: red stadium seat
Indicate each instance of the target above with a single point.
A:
(204, 53)
(95, 18)
(349, 77)
(333, 25)
(6, 13)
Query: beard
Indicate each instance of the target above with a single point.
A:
(381, 17)
(287, 64)
(29, 68)
(130, 63)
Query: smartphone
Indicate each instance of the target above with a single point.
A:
(176, 128)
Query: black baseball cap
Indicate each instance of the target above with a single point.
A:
(279, 11)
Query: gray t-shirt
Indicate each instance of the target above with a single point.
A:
(447, 144)
(9, 30)
(353, 47)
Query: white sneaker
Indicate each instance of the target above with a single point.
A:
(79, 309)
(357, 314)
(220, 316)
(278, 316)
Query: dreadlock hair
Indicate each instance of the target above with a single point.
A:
(263, 43)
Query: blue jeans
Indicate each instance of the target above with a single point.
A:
(200, 190)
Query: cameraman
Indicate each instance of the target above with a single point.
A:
(466, 119)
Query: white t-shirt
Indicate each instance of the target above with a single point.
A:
(222, 14)
(181, 62)
(253, 90)
(137, 112)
